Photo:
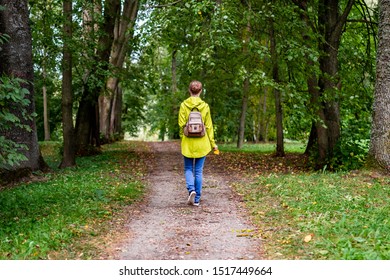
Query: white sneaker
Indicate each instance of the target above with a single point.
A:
(191, 198)
(196, 203)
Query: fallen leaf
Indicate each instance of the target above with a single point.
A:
(308, 238)
(243, 235)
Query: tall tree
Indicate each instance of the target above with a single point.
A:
(380, 132)
(318, 133)
(69, 152)
(331, 24)
(87, 121)
(324, 90)
(110, 103)
(16, 62)
(277, 93)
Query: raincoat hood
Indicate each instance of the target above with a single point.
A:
(194, 102)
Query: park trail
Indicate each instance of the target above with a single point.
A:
(164, 227)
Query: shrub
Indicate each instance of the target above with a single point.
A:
(350, 154)
(12, 98)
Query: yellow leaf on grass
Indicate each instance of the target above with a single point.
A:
(308, 238)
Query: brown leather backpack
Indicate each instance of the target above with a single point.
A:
(194, 126)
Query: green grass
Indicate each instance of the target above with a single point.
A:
(321, 216)
(264, 148)
(51, 216)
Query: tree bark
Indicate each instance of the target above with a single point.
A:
(16, 61)
(69, 152)
(380, 132)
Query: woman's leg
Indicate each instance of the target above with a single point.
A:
(199, 163)
(189, 174)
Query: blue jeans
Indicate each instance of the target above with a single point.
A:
(193, 171)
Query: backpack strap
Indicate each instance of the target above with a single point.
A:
(193, 110)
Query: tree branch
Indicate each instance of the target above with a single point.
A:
(343, 18)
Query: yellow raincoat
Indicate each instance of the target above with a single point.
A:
(196, 147)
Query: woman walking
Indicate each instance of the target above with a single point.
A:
(195, 149)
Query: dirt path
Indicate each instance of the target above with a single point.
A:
(166, 228)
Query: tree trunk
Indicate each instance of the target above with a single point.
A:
(69, 152)
(331, 25)
(16, 61)
(116, 113)
(319, 129)
(278, 98)
(87, 121)
(380, 132)
(318, 137)
(123, 32)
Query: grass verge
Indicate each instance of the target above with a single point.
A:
(339, 216)
(301, 214)
(263, 148)
(57, 216)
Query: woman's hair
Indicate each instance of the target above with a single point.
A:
(195, 87)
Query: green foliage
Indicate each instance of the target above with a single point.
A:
(12, 99)
(3, 37)
(134, 102)
(201, 36)
(53, 89)
(357, 60)
(350, 154)
(56, 216)
(46, 28)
